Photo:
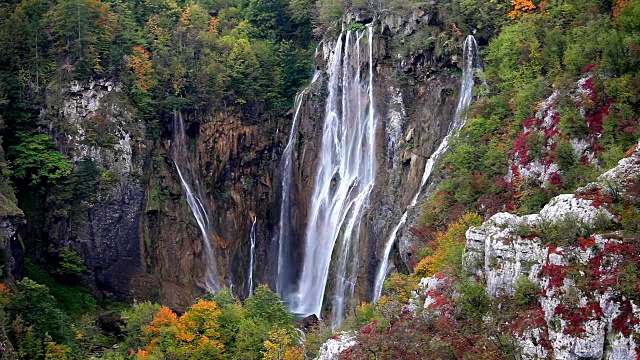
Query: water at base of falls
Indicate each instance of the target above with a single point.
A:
(345, 176)
(471, 63)
(195, 199)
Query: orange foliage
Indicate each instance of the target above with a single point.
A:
(142, 354)
(195, 17)
(154, 24)
(199, 327)
(449, 247)
(213, 25)
(142, 67)
(618, 7)
(196, 332)
(401, 286)
(280, 346)
(104, 19)
(164, 319)
(185, 18)
(521, 7)
(456, 30)
(55, 351)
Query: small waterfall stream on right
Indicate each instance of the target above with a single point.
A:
(471, 62)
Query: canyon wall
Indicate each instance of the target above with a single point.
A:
(137, 234)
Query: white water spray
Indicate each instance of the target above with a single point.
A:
(284, 272)
(189, 180)
(471, 66)
(344, 178)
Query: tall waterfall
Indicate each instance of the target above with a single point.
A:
(195, 196)
(284, 277)
(471, 62)
(344, 178)
(252, 253)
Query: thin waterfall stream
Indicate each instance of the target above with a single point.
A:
(252, 253)
(195, 199)
(471, 63)
(344, 179)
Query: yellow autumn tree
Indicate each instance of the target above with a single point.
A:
(521, 7)
(161, 330)
(53, 351)
(141, 65)
(199, 330)
(195, 335)
(280, 346)
(449, 247)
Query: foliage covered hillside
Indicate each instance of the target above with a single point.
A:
(559, 106)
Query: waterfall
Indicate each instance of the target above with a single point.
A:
(471, 64)
(195, 196)
(252, 253)
(284, 272)
(344, 178)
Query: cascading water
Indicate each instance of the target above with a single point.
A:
(344, 178)
(252, 253)
(284, 277)
(471, 63)
(190, 183)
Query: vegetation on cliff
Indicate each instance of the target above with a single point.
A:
(558, 106)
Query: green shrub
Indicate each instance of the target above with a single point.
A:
(357, 27)
(36, 160)
(73, 300)
(265, 305)
(37, 308)
(136, 318)
(70, 263)
(527, 291)
(473, 300)
(563, 231)
(329, 12)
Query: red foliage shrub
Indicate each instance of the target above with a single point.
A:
(555, 179)
(555, 273)
(625, 322)
(577, 318)
(520, 149)
(585, 243)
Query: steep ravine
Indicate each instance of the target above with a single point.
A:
(137, 234)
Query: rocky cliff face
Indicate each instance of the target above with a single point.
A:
(136, 232)
(585, 305)
(11, 249)
(93, 124)
(415, 99)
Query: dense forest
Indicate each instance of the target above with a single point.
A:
(558, 75)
